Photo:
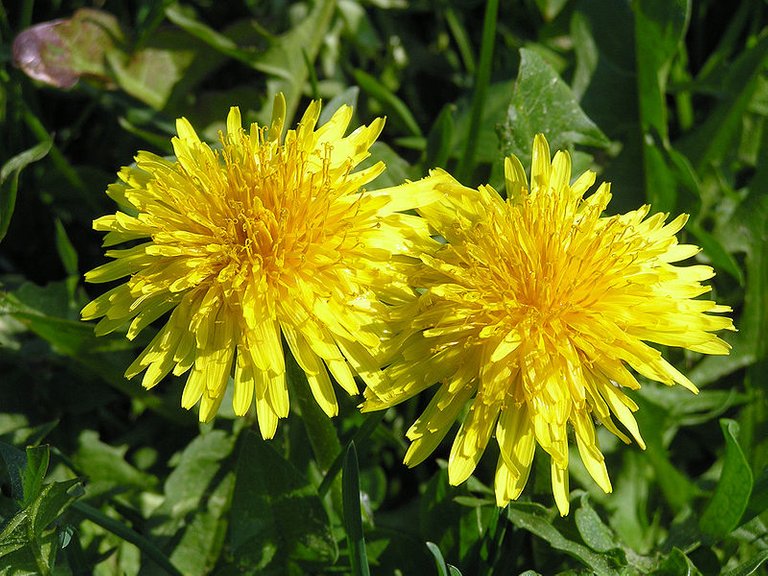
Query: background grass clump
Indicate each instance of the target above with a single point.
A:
(667, 99)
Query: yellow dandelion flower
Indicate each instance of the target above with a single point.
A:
(532, 312)
(267, 239)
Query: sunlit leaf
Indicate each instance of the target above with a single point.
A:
(276, 515)
(731, 496)
(536, 520)
(543, 103)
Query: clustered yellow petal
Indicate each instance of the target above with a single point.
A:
(532, 310)
(267, 240)
(528, 310)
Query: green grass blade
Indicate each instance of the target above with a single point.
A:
(9, 180)
(370, 424)
(353, 523)
(392, 104)
(483, 78)
(121, 530)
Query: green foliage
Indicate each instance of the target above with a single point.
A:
(667, 100)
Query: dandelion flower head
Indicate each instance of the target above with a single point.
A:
(533, 311)
(268, 239)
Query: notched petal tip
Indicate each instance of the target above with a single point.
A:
(234, 121)
(279, 108)
(185, 130)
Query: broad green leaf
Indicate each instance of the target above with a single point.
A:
(587, 55)
(285, 58)
(9, 181)
(720, 257)
(151, 74)
(676, 563)
(348, 98)
(660, 26)
(537, 520)
(276, 516)
(186, 486)
(653, 421)
(725, 509)
(353, 522)
(106, 467)
(53, 499)
(713, 140)
(195, 508)
(204, 534)
(543, 103)
(660, 182)
(758, 500)
(593, 531)
(38, 458)
(398, 170)
(440, 139)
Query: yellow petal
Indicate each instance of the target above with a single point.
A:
(471, 441)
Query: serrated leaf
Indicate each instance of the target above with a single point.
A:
(543, 103)
(276, 515)
(725, 509)
(34, 472)
(106, 466)
(185, 487)
(203, 537)
(52, 501)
